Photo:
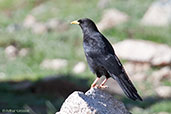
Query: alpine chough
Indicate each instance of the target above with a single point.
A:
(102, 59)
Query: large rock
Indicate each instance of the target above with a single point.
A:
(94, 101)
(159, 14)
(144, 52)
(111, 18)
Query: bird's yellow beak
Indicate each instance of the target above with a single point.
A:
(75, 22)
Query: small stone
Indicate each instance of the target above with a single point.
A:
(79, 67)
(13, 27)
(56, 25)
(163, 73)
(111, 18)
(11, 52)
(23, 52)
(29, 21)
(54, 64)
(39, 28)
(52, 24)
(164, 91)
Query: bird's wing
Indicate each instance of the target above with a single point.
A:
(114, 67)
(111, 63)
(108, 46)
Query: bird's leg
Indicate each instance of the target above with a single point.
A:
(95, 82)
(102, 84)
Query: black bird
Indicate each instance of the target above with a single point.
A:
(102, 59)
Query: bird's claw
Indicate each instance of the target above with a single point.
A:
(103, 86)
(94, 85)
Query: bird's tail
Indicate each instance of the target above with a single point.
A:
(127, 86)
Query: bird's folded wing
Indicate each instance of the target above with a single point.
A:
(111, 63)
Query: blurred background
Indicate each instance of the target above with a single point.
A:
(42, 59)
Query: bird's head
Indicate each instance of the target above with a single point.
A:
(86, 24)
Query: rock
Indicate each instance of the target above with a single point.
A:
(132, 68)
(79, 67)
(94, 101)
(165, 59)
(23, 52)
(144, 52)
(39, 9)
(52, 24)
(113, 87)
(103, 4)
(158, 14)
(163, 73)
(139, 77)
(11, 52)
(54, 64)
(56, 25)
(164, 91)
(111, 18)
(39, 28)
(13, 27)
(29, 21)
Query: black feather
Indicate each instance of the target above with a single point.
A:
(128, 87)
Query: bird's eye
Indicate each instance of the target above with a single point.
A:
(80, 21)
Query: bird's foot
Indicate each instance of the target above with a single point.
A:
(103, 86)
(94, 85)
